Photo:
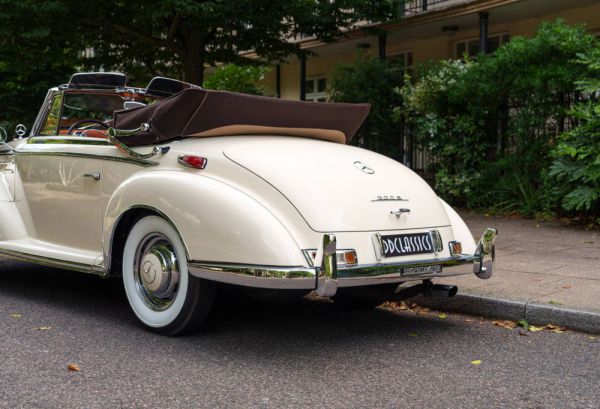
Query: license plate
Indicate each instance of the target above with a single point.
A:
(406, 244)
(422, 270)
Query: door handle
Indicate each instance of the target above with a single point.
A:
(93, 175)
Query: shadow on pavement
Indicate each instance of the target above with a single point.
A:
(237, 325)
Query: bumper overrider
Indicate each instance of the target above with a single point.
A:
(325, 277)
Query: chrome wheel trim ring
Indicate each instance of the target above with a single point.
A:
(156, 272)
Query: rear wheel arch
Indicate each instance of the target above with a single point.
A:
(120, 232)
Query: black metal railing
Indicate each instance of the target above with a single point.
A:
(418, 6)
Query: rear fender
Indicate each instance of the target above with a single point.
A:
(460, 230)
(216, 222)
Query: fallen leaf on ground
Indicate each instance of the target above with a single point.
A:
(566, 286)
(554, 302)
(402, 306)
(394, 305)
(73, 367)
(508, 324)
(41, 328)
(533, 328)
(413, 334)
(524, 324)
(442, 316)
(555, 328)
(15, 315)
(476, 362)
(469, 320)
(592, 338)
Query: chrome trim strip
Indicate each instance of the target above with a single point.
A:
(379, 270)
(133, 161)
(53, 262)
(294, 277)
(68, 141)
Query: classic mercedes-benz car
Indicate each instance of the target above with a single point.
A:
(179, 189)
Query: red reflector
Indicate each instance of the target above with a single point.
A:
(196, 162)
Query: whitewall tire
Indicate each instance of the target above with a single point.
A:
(160, 291)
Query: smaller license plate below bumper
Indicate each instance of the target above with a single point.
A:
(407, 244)
(435, 269)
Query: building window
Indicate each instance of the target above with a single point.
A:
(316, 89)
(471, 46)
(404, 59)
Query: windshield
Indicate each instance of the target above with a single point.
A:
(92, 106)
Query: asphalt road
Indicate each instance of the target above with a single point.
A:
(272, 356)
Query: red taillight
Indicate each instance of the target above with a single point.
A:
(192, 161)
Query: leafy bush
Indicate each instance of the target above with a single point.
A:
(491, 122)
(576, 166)
(372, 80)
(237, 78)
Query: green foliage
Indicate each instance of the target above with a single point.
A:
(371, 80)
(237, 78)
(43, 42)
(33, 56)
(492, 121)
(576, 166)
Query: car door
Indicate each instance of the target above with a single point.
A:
(60, 178)
(60, 182)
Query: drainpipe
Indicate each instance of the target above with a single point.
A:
(303, 78)
(483, 32)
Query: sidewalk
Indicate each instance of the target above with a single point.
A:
(544, 269)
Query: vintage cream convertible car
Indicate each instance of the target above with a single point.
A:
(176, 189)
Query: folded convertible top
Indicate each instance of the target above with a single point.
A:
(200, 113)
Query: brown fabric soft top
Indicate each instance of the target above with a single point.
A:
(199, 112)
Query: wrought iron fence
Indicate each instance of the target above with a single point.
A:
(417, 6)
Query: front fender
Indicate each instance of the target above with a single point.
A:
(217, 222)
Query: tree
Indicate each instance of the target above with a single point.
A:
(181, 37)
(236, 78)
(372, 80)
(42, 43)
(33, 54)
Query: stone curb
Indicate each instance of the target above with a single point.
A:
(536, 314)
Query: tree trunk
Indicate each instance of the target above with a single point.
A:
(193, 61)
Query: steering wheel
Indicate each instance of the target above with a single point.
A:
(83, 121)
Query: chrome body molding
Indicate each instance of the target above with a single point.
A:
(293, 277)
(327, 278)
(53, 262)
(68, 141)
(133, 161)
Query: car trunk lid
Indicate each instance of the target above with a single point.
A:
(339, 187)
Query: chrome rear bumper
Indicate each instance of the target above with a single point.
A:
(327, 278)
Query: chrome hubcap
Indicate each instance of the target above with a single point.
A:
(156, 271)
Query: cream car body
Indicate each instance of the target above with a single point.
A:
(270, 212)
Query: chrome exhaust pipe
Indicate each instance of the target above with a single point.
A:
(441, 290)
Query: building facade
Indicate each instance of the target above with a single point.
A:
(430, 30)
